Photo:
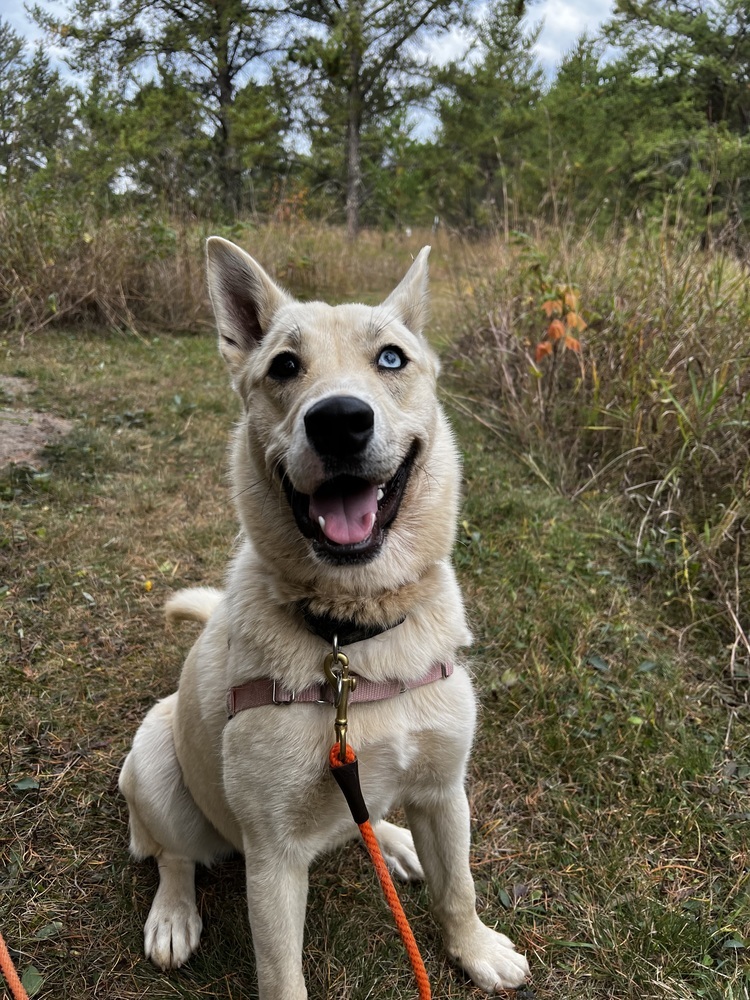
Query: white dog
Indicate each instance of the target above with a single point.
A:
(346, 479)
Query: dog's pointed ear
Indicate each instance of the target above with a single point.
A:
(409, 300)
(244, 297)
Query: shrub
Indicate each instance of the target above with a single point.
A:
(57, 264)
(650, 402)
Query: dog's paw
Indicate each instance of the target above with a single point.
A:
(490, 959)
(399, 852)
(172, 935)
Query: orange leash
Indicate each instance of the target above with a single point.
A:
(384, 876)
(9, 972)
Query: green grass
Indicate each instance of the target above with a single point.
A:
(605, 751)
(609, 784)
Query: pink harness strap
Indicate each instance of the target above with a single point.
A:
(266, 691)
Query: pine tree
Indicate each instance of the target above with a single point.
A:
(213, 48)
(488, 118)
(36, 111)
(361, 63)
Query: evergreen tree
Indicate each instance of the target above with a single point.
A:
(692, 61)
(489, 124)
(12, 68)
(361, 63)
(698, 46)
(165, 152)
(213, 48)
(36, 112)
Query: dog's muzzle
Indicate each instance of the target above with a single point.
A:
(347, 516)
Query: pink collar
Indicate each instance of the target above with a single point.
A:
(266, 691)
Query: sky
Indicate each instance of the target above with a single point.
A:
(564, 22)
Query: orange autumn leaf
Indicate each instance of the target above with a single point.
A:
(555, 330)
(571, 299)
(552, 307)
(575, 321)
(573, 345)
(542, 350)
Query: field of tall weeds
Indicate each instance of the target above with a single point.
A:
(621, 369)
(63, 266)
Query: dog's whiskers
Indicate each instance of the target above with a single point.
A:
(247, 489)
(430, 480)
(274, 474)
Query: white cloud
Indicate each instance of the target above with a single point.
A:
(452, 44)
(13, 12)
(564, 23)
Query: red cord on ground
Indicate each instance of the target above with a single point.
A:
(389, 890)
(10, 974)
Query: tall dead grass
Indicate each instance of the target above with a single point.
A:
(59, 266)
(654, 408)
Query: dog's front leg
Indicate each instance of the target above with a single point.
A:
(276, 900)
(440, 827)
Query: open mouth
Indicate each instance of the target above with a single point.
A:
(347, 517)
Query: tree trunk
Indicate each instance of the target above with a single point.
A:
(353, 177)
(229, 175)
(354, 125)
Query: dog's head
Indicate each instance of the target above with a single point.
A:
(343, 458)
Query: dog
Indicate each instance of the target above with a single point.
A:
(346, 478)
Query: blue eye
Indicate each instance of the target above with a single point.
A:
(391, 358)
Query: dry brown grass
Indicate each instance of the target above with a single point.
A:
(652, 414)
(60, 268)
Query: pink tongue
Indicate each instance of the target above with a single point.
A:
(348, 517)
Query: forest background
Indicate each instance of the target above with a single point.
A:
(190, 107)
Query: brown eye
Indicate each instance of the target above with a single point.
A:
(284, 366)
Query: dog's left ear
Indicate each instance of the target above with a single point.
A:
(244, 297)
(409, 300)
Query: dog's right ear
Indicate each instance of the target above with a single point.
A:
(244, 297)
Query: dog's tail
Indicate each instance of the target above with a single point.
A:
(193, 605)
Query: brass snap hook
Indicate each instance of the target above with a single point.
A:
(336, 668)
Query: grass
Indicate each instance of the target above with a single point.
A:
(61, 267)
(649, 408)
(620, 754)
(609, 785)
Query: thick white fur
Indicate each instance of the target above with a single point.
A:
(198, 786)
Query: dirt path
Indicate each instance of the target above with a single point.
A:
(24, 432)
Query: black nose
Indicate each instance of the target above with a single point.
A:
(340, 426)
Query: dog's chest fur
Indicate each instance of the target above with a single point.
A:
(274, 758)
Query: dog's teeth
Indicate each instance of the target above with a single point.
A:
(322, 522)
(381, 494)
